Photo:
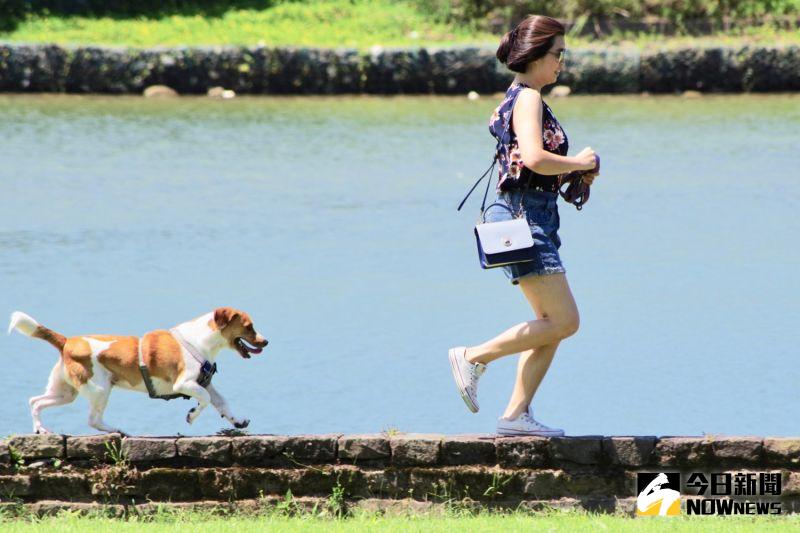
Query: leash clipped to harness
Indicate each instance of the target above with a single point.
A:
(207, 370)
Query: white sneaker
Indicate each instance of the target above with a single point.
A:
(466, 375)
(525, 424)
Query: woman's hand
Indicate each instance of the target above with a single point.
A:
(588, 178)
(586, 159)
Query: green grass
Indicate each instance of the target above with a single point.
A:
(756, 36)
(486, 521)
(322, 23)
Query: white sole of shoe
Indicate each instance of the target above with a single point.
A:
(459, 384)
(519, 433)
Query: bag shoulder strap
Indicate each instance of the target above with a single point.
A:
(494, 160)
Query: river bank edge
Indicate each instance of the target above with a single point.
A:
(451, 70)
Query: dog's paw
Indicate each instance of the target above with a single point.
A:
(241, 424)
(189, 415)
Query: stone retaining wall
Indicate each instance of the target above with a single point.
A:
(50, 68)
(50, 472)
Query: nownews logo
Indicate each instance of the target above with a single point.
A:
(725, 493)
(659, 494)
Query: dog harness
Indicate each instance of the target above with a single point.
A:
(207, 369)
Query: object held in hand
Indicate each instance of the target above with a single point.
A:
(577, 192)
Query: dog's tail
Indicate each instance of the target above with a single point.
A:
(28, 326)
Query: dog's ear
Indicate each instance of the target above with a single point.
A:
(224, 316)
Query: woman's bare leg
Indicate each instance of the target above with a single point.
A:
(532, 367)
(534, 363)
(553, 303)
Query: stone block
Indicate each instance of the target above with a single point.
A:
(5, 457)
(700, 69)
(468, 450)
(561, 504)
(60, 486)
(604, 71)
(525, 452)
(428, 484)
(579, 483)
(482, 483)
(148, 449)
(582, 450)
(790, 504)
(629, 451)
(363, 447)
(782, 451)
(312, 481)
(258, 450)
(546, 484)
(208, 449)
(683, 451)
(54, 508)
(766, 69)
(171, 484)
(626, 506)
(737, 450)
(250, 482)
(38, 446)
(790, 483)
(402, 508)
(389, 483)
(352, 480)
(314, 449)
(415, 449)
(15, 486)
(92, 446)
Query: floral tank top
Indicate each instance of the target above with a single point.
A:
(512, 174)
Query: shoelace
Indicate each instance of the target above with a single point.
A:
(528, 418)
(475, 371)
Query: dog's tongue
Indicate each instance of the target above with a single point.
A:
(254, 350)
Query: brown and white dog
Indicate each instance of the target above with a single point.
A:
(91, 365)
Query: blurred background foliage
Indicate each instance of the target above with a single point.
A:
(385, 21)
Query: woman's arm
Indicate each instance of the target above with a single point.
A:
(527, 122)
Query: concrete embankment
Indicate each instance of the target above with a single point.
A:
(120, 476)
(261, 70)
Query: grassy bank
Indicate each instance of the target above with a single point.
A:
(554, 521)
(327, 23)
(324, 23)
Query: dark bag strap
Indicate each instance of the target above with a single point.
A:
(494, 161)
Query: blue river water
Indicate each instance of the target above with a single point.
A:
(332, 222)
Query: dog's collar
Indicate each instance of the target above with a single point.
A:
(189, 346)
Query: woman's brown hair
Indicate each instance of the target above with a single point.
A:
(530, 40)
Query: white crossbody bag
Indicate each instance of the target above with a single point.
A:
(505, 242)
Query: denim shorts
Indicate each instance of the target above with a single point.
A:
(541, 211)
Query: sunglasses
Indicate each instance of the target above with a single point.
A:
(561, 54)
